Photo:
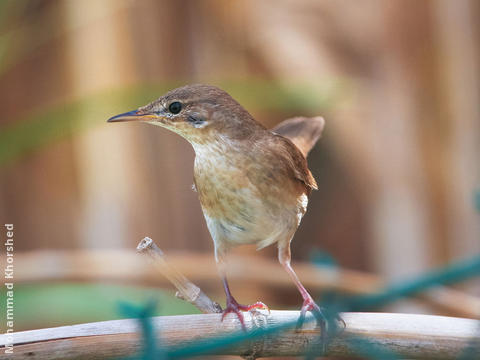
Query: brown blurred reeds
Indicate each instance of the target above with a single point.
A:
(396, 81)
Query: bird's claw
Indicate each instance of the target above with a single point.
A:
(322, 320)
(339, 319)
(236, 308)
(253, 307)
(310, 305)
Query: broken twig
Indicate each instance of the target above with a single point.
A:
(187, 290)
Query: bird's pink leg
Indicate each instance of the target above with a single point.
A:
(309, 304)
(234, 307)
(284, 257)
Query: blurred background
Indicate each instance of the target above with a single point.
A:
(397, 167)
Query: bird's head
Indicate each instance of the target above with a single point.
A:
(199, 113)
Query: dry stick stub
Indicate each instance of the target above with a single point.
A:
(186, 289)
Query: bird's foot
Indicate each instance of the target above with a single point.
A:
(253, 307)
(321, 318)
(310, 305)
(234, 307)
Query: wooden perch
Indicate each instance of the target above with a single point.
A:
(408, 336)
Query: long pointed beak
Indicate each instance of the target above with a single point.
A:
(131, 116)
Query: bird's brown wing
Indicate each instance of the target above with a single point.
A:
(302, 131)
(289, 157)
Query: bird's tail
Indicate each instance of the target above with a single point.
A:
(302, 131)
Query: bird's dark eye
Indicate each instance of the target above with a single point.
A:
(175, 107)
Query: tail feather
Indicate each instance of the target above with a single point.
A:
(302, 131)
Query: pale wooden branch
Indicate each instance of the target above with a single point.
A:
(86, 265)
(409, 336)
(187, 290)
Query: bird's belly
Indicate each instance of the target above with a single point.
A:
(233, 232)
(242, 217)
(241, 209)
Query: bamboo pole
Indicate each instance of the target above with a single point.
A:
(408, 336)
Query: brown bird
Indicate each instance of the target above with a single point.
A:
(253, 183)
